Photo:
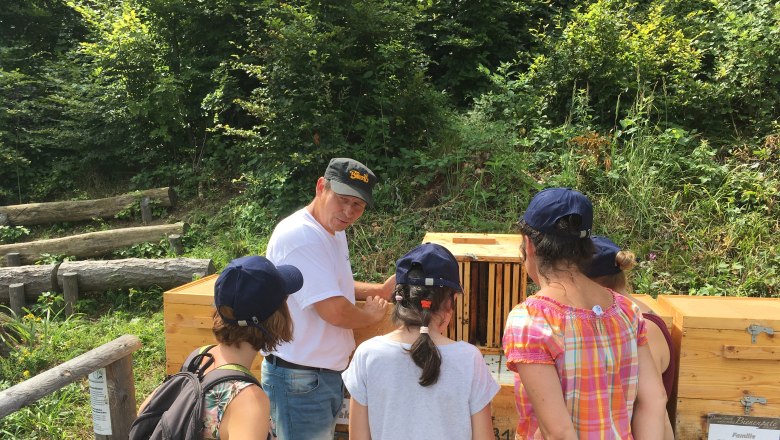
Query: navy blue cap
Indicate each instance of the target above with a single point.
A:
(603, 262)
(439, 267)
(349, 177)
(550, 205)
(254, 288)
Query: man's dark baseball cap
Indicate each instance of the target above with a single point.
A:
(552, 204)
(439, 267)
(349, 177)
(254, 288)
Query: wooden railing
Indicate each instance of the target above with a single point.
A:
(116, 357)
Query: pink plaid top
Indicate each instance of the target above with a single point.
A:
(595, 356)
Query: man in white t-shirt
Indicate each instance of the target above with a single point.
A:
(303, 378)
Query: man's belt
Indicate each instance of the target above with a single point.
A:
(279, 362)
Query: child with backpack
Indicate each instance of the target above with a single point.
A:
(215, 396)
(414, 382)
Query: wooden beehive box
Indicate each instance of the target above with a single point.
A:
(659, 310)
(493, 280)
(728, 359)
(188, 316)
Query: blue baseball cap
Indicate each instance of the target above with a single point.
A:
(551, 204)
(439, 267)
(254, 288)
(603, 262)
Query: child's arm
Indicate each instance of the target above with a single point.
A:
(358, 421)
(482, 425)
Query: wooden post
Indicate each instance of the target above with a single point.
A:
(70, 289)
(176, 245)
(146, 211)
(13, 259)
(16, 294)
(121, 398)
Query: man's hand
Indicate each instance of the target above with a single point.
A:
(388, 287)
(375, 307)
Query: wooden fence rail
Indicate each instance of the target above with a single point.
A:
(102, 275)
(78, 210)
(115, 356)
(91, 244)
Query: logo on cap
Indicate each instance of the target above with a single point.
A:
(355, 175)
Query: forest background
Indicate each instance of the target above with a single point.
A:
(666, 113)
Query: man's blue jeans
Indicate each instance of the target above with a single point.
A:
(304, 403)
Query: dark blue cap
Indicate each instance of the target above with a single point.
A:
(439, 267)
(254, 288)
(349, 177)
(603, 262)
(550, 205)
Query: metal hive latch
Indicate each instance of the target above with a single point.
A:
(749, 401)
(755, 330)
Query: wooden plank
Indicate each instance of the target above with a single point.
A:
(475, 319)
(479, 247)
(705, 374)
(691, 420)
(464, 324)
(518, 295)
(751, 352)
(505, 416)
(732, 313)
(506, 304)
(474, 240)
(456, 324)
(523, 284)
(491, 305)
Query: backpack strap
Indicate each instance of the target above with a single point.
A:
(193, 361)
(222, 374)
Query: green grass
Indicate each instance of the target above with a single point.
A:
(42, 339)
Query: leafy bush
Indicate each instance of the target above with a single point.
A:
(13, 234)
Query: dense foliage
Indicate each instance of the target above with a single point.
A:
(665, 111)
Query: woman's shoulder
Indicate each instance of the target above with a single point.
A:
(537, 307)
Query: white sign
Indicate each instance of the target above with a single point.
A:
(343, 417)
(98, 396)
(730, 427)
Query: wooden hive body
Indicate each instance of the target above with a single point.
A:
(721, 364)
(493, 280)
(188, 315)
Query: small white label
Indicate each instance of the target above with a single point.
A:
(98, 396)
(343, 417)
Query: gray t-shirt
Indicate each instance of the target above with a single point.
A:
(383, 377)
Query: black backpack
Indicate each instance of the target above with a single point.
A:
(174, 412)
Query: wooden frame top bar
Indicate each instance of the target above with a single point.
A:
(479, 247)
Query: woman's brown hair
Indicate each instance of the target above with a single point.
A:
(278, 328)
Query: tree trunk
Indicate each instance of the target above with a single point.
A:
(98, 276)
(78, 210)
(36, 279)
(101, 275)
(92, 244)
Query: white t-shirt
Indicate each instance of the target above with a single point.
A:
(383, 377)
(323, 259)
